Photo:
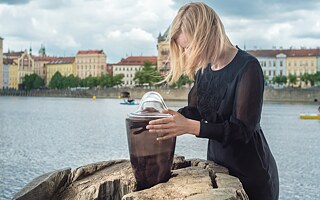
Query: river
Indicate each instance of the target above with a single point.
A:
(41, 134)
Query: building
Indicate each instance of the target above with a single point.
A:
(163, 62)
(65, 65)
(273, 62)
(25, 66)
(13, 55)
(109, 68)
(5, 73)
(302, 61)
(90, 63)
(40, 67)
(296, 62)
(1, 63)
(130, 65)
(13, 75)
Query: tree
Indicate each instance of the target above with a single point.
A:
(32, 81)
(108, 80)
(148, 75)
(292, 79)
(56, 81)
(280, 80)
(183, 80)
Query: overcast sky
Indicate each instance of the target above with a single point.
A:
(131, 27)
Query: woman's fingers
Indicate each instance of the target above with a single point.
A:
(160, 126)
(169, 111)
(166, 137)
(161, 121)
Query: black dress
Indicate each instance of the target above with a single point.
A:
(228, 104)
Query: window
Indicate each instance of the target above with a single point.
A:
(281, 63)
(269, 73)
(280, 72)
(274, 63)
(274, 72)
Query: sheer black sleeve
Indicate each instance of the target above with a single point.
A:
(191, 111)
(247, 109)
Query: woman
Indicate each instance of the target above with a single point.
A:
(225, 102)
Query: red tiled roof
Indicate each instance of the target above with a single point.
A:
(45, 58)
(137, 60)
(62, 60)
(287, 52)
(13, 54)
(90, 52)
(7, 61)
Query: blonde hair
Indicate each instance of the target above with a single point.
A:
(204, 31)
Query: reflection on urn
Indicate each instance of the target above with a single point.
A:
(151, 160)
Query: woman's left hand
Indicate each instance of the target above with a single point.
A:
(173, 126)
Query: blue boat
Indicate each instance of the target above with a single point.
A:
(129, 103)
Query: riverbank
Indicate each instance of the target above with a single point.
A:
(310, 95)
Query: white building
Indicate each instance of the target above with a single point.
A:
(130, 65)
(273, 62)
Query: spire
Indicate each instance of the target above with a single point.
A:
(42, 51)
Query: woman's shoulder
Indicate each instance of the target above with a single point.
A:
(247, 58)
(247, 63)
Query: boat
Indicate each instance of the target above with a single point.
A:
(129, 103)
(309, 116)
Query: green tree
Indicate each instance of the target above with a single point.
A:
(280, 80)
(108, 80)
(148, 75)
(292, 79)
(117, 80)
(305, 78)
(56, 81)
(32, 81)
(38, 83)
(183, 80)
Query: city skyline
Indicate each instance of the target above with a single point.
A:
(127, 28)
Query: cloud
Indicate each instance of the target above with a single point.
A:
(128, 27)
(14, 2)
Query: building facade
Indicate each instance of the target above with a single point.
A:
(301, 61)
(90, 63)
(25, 66)
(163, 62)
(65, 65)
(130, 65)
(13, 76)
(1, 63)
(5, 72)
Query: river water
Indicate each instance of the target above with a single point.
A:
(39, 135)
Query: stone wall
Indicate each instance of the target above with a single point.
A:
(190, 179)
(270, 94)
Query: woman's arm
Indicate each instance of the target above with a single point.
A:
(247, 109)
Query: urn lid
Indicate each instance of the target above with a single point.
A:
(150, 106)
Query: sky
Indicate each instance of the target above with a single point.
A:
(131, 27)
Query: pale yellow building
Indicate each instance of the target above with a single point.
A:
(163, 62)
(90, 62)
(65, 65)
(25, 66)
(1, 63)
(301, 61)
(13, 76)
